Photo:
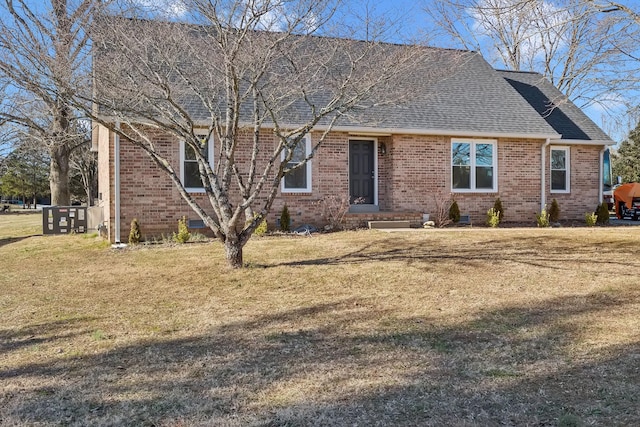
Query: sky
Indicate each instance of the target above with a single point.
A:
(609, 114)
(414, 26)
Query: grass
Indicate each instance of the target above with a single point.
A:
(456, 327)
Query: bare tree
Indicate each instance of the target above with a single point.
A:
(626, 20)
(254, 76)
(607, 6)
(83, 164)
(566, 41)
(43, 62)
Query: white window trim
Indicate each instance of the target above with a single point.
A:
(494, 165)
(308, 166)
(210, 152)
(567, 166)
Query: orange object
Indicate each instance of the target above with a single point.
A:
(627, 200)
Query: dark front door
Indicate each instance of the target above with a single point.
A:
(361, 172)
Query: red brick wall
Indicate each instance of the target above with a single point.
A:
(147, 192)
(426, 160)
(519, 186)
(413, 173)
(330, 176)
(584, 186)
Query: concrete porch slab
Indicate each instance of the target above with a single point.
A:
(388, 224)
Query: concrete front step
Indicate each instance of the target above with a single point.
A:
(354, 220)
(389, 224)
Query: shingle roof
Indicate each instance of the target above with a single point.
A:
(473, 98)
(556, 109)
(447, 92)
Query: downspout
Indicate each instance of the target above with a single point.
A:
(116, 171)
(543, 178)
(601, 185)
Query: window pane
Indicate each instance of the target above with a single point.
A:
(190, 165)
(189, 154)
(462, 177)
(558, 159)
(299, 152)
(192, 175)
(558, 180)
(461, 154)
(484, 154)
(484, 177)
(296, 179)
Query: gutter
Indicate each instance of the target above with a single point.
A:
(374, 131)
(601, 175)
(116, 171)
(583, 142)
(543, 175)
(438, 132)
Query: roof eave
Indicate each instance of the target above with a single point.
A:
(355, 130)
(598, 142)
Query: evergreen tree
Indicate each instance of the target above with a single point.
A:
(25, 173)
(626, 162)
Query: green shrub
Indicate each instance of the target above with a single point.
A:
(497, 207)
(554, 211)
(590, 219)
(261, 229)
(134, 234)
(543, 218)
(454, 212)
(183, 235)
(493, 218)
(285, 219)
(602, 214)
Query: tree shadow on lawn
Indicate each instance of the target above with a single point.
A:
(13, 339)
(535, 251)
(326, 365)
(9, 240)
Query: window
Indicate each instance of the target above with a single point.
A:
(473, 166)
(189, 172)
(299, 180)
(559, 169)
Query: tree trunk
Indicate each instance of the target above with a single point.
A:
(233, 250)
(59, 177)
(87, 183)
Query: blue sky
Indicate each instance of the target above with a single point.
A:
(417, 22)
(414, 25)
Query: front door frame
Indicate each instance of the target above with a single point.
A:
(375, 165)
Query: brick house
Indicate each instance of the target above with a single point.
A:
(478, 134)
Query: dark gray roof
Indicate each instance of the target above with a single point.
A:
(471, 98)
(558, 111)
(443, 91)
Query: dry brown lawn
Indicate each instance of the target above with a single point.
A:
(465, 327)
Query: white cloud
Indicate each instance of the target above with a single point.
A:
(165, 8)
(527, 25)
(275, 16)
